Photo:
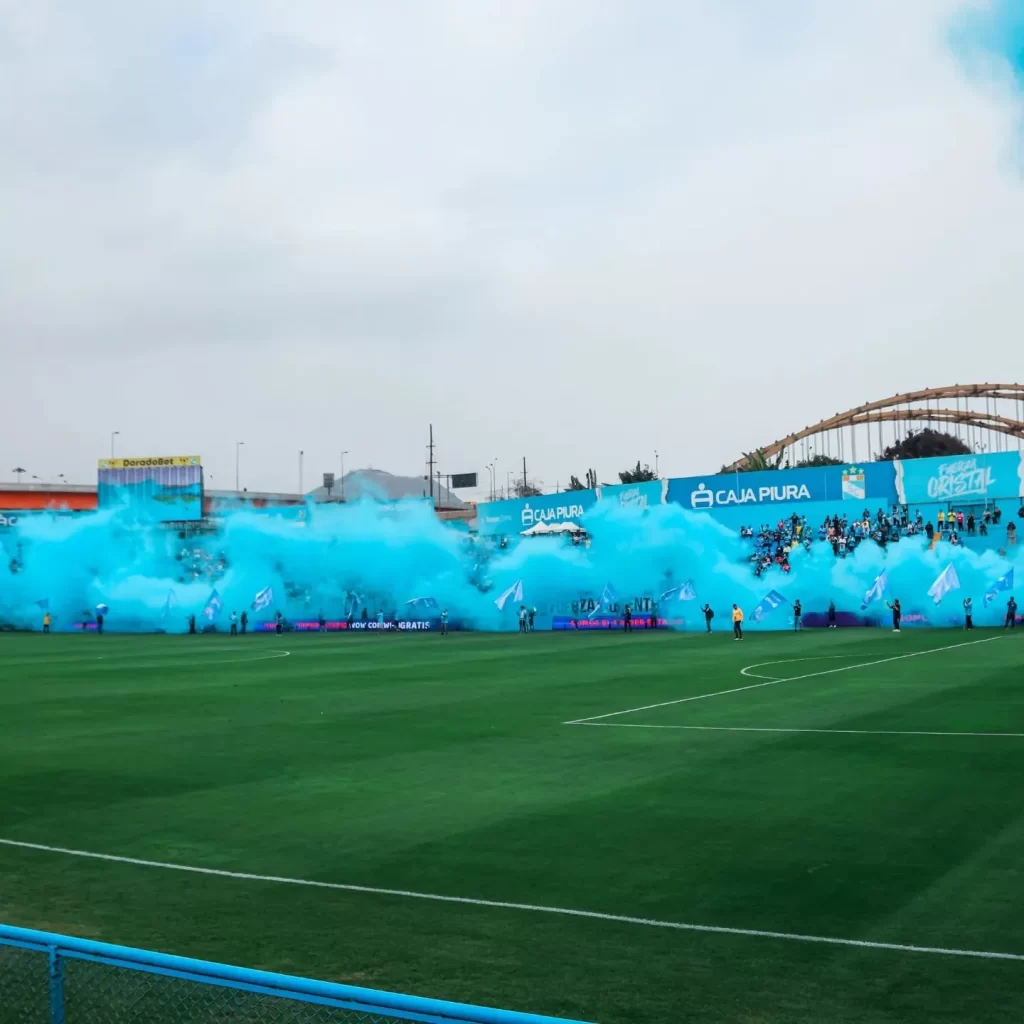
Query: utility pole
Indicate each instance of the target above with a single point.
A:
(301, 453)
(238, 448)
(430, 464)
(524, 474)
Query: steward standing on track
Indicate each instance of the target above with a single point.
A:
(627, 619)
(1011, 614)
(798, 614)
(897, 614)
(968, 613)
(708, 615)
(737, 622)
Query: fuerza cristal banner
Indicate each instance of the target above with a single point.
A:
(963, 478)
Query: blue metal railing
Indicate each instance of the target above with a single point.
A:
(55, 979)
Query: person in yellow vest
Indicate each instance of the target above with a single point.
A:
(46, 623)
(942, 520)
(737, 622)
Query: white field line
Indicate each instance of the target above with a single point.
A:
(844, 732)
(789, 661)
(593, 915)
(775, 682)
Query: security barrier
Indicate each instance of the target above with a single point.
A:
(56, 979)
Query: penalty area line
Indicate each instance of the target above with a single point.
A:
(593, 915)
(775, 682)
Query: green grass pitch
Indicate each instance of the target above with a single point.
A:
(874, 795)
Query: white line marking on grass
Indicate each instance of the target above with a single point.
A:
(789, 661)
(774, 682)
(245, 661)
(846, 732)
(592, 915)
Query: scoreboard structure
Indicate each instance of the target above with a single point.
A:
(161, 489)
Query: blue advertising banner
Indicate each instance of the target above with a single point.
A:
(511, 517)
(870, 482)
(963, 478)
(642, 495)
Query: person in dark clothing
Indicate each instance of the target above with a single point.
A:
(192, 625)
(627, 619)
(1011, 614)
(897, 614)
(708, 616)
(245, 621)
(831, 615)
(99, 622)
(798, 614)
(968, 613)
(321, 623)
(532, 614)
(278, 624)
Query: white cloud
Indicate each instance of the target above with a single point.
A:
(577, 232)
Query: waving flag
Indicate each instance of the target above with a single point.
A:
(946, 581)
(772, 601)
(1004, 582)
(213, 606)
(263, 599)
(514, 593)
(687, 592)
(169, 602)
(44, 604)
(876, 590)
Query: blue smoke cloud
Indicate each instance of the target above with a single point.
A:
(995, 31)
(347, 557)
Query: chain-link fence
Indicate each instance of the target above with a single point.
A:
(54, 979)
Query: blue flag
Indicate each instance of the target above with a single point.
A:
(946, 581)
(213, 606)
(687, 592)
(876, 590)
(1004, 582)
(772, 601)
(44, 604)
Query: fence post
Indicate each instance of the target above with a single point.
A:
(56, 974)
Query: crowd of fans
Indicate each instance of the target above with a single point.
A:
(197, 563)
(773, 544)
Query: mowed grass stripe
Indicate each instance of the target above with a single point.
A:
(646, 922)
(419, 765)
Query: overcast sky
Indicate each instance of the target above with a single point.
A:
(576, 231)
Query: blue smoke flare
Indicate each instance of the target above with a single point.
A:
(402, 561)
